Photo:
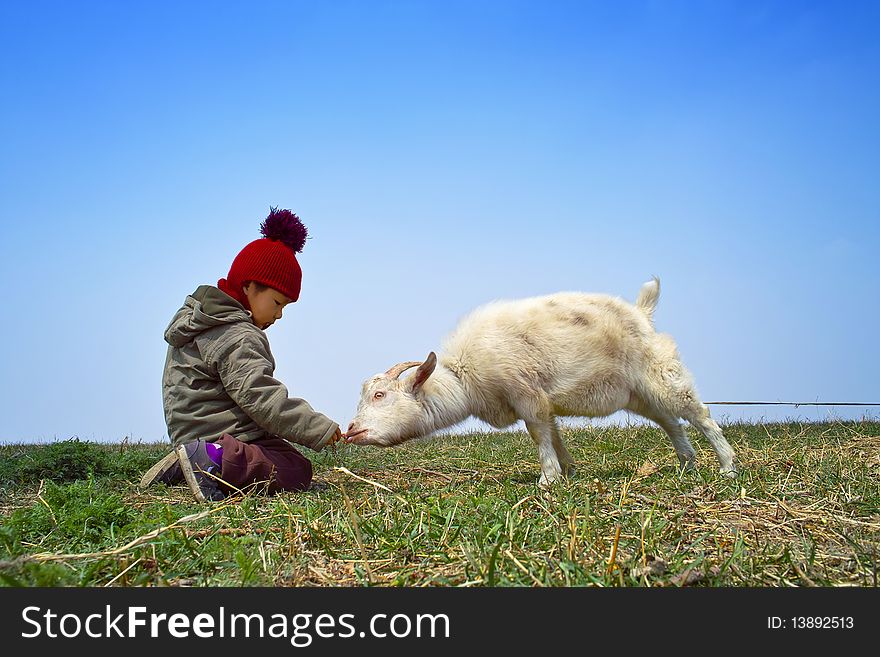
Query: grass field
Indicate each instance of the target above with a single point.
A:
(462, 511)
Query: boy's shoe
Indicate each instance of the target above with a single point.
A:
(165, 471)
(199, 471)
(188, 463)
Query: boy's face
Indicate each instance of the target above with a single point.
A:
(266, 304)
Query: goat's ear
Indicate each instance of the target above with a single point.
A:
(425, 370)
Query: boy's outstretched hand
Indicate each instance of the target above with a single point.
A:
(336, 437)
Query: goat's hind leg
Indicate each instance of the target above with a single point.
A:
(670, 386)
(667, 421)
(698, 415)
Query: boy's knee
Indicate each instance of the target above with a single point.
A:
(295, 475)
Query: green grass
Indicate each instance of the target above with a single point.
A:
(462, 511)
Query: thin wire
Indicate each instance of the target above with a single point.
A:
(756, 403)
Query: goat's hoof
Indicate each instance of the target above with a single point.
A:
(730, 472)
(547, 484)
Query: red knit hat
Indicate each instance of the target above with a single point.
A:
(270, 260)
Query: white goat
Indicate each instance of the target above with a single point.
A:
(535, 359)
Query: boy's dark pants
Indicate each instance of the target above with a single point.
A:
(272, 461)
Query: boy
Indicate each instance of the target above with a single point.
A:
(228, 418)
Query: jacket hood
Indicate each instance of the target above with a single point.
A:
(205, 308)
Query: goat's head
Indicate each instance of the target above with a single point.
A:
(391, 410)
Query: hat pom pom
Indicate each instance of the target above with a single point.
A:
(284, 226)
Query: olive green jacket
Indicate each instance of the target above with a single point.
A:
(219, 379)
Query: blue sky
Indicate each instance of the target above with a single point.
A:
(442, 155)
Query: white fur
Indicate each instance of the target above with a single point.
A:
(565, 354)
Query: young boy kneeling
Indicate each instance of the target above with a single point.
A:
(230, 421)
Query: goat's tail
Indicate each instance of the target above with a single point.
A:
(648, 297)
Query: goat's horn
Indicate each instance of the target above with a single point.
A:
(400, 368)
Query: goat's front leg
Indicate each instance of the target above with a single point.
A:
(565, 459)
(542, 433)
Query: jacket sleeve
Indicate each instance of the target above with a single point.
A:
(246, 370)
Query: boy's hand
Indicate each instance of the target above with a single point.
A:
(336, 437)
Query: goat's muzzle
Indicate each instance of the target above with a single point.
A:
(355, 436)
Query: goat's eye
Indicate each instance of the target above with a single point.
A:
(379, 395)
